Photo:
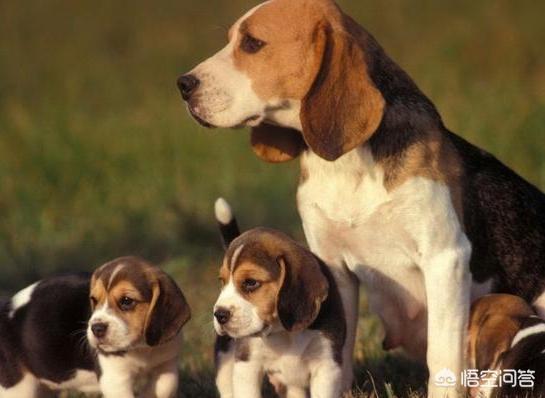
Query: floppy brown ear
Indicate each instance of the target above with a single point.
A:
(493, 339)
(276, 144)
(304, 289)
(343, 108)
(168, 311)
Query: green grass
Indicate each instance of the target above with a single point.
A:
(98, 157)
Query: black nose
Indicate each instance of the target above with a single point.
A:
(187, 85)
(222, 315)
(99, 329)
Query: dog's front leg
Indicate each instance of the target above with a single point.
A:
(116, 385)
(163, 382)
(447, 280)
(247, 379)
(225, 361)
(349, 287)
(115, 380)
(326, 380)
(295, 392)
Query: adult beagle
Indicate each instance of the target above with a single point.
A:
(279, 314)
(505, 334)
(387, 195)
(94, 333)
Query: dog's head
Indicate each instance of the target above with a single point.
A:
(134, 304)
(494, 320)
(290, 66)
(268, 281)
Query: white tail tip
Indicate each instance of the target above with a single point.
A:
(223, 211)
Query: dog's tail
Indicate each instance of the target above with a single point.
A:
(226, 221)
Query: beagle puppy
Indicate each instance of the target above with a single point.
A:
(94, 333)
(388, 196)
(506, 334)
(279, 314)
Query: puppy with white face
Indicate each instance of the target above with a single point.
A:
(94, 333)
(280, 305)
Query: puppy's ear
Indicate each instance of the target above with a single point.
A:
(168, 311)
(304, 288)
(493, 339)
(276, 144)
(343, 108)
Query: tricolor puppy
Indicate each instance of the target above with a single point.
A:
(506, 334)
(94, 334)
(279, 314)
(388, 196)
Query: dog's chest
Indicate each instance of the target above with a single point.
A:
(289, 358)
(350, 218)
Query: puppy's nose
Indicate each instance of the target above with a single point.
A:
(187, 85)
(222, 315)
(99, 329)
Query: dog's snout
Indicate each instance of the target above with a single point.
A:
(99, 329)
(187, 85)
(222, 315)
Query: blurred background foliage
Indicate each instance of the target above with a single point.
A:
(98, 157)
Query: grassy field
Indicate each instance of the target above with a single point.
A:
(98, 157)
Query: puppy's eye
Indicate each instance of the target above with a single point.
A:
(94, 301)
(250, 44)
(126, 303)
(250, 285)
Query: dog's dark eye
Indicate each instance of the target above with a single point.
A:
(94, 301)
(250, 44)
(126, 303)
(249, 285)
